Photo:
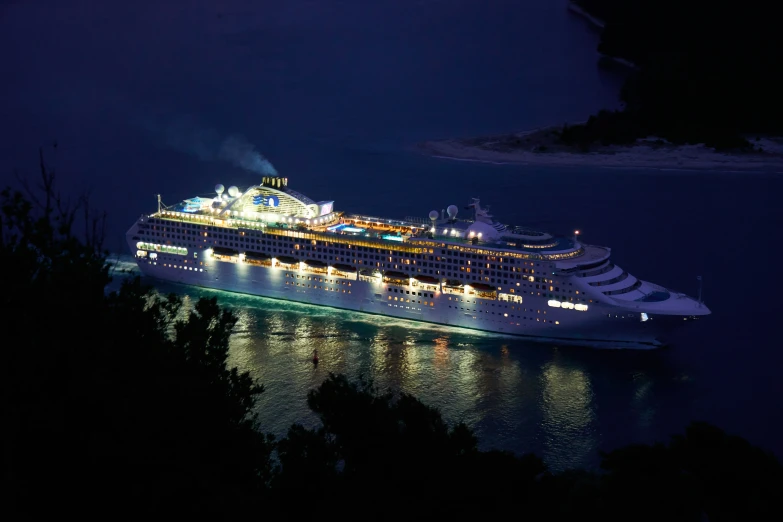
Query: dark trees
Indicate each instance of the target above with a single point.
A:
(706, 70)
(111, 397)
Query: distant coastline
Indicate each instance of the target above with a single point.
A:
(635, 137)
(542, 147)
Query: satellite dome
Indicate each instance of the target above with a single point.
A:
(452, 211)
(219, 188)
(433, 215)
(483, 231)
(233, 191)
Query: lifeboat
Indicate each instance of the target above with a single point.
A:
(427, 280)
(222, 251)
(257, 256)
(395, 275)
(456, 283)
(315, 263)
(288, 260)
(481, 287)
(344, 268)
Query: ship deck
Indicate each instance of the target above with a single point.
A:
(563, 246)
(558, 244)
(592, 253)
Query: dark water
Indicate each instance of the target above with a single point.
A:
(141, 96)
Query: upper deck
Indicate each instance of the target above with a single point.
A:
(345, 233)
(275, 209)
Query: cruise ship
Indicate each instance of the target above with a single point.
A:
(466, 271)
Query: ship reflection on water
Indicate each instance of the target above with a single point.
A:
(568, 425)
(517, 396)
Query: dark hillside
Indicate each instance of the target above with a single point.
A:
(707, 71)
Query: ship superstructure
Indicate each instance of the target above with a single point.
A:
(272, 241)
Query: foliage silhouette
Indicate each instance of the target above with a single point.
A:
(114, 396)
(383, 454)
(395, 451)
(705, 72)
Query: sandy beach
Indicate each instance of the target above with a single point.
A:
(541, 147)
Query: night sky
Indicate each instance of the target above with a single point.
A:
(140, 96)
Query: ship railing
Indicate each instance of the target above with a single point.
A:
(596, 272)
(415, 247)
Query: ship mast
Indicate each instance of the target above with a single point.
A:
(158, 203)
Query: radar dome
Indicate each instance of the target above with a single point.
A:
(452, 211)
(233, 191)
(482, 231)
(219, 188)
(433, 215)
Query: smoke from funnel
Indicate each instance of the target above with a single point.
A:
(186, 135)
(241, 153)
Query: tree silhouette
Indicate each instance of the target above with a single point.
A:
(705, 72)
(108, 397)
(387, 455)
(382, 448)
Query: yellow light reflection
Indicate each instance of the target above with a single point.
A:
(568, 415)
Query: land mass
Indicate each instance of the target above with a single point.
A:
(544, 146)
(697, 97)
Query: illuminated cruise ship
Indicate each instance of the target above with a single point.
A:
(470, 272)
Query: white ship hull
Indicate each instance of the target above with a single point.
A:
(601, 326)
(272, 241)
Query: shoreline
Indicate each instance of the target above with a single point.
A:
(599, 24)
(594, 20)
(538, 147)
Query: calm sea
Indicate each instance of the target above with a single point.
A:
(143, 97)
